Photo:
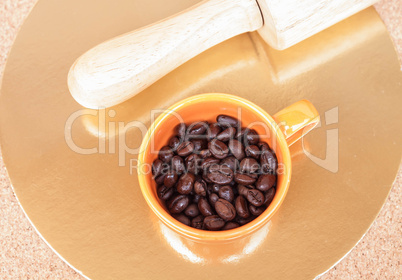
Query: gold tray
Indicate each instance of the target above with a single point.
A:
(91, 211)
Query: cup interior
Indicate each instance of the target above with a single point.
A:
(206, 107)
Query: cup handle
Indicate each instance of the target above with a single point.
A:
(297, 120)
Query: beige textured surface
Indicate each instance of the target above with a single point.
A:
(23, 255)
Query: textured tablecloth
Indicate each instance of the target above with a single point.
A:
(23, 255)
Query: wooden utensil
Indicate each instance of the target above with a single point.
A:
(118, 69)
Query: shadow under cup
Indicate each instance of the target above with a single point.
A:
(206, 107)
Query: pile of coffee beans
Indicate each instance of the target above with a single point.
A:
(215, 176)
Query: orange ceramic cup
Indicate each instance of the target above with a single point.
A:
(279, 131)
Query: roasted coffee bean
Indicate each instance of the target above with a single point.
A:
(256, 211)
(213, 198)
(252, 151)
(205, 207)
(263, 146)
(170, 179)
(230, 225)
(178, 203)
(244, 179)
(265, 182)
(249, 165)
(237, 149)
(251, 137)
(221, 175)
(164, 192)
(199, 145)
(206, 153)
(208, 162)
(198, 222)
(227, 134)
(221, 167)
(157, 167)
(242, 190)
(200, 187)
(174, 142)
(255, 197)
(218, 149)
(269, 196)
(182, 218)
(214, 222)
(197, 128)
(186, 183)
(205, 177)
(225, 209)
(226, 192)
(231, 162)
(178, 164)
(226, 120)
(240, 134)
(241, 207)
(193, 163)
(215, 188)
(253, 175)
(213, 130)
(192, 210)
(180, 131)
(159, 180)
(269, 163)
(243, 221)
(185, 149)
(166, 154)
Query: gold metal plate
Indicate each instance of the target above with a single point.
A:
(90, 209)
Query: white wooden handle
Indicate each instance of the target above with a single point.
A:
(287, 22)
(118, 69)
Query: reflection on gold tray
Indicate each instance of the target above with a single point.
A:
(90, 209)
